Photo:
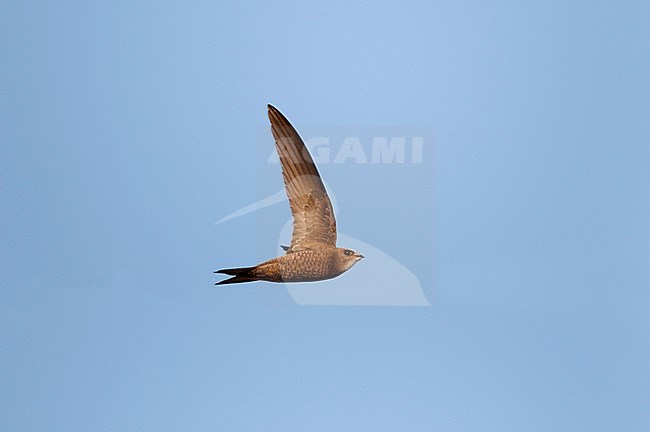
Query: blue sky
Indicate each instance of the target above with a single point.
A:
(129, 128)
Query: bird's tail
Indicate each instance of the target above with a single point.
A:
(241, 274)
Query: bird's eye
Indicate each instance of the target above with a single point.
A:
(348, 252)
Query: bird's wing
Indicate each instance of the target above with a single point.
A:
(313, 217)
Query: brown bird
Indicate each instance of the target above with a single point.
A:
(312, 255)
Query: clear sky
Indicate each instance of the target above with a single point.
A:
(128, 129)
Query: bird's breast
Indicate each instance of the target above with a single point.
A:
(308, 265)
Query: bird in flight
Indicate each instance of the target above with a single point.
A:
(312, 255)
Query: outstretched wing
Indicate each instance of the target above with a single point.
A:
(313, 217)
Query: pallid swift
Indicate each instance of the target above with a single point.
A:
(312, 255)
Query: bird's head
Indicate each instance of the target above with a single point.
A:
(347, 257)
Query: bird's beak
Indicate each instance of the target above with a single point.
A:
(360, 256)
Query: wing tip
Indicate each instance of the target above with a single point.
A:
(272, 113)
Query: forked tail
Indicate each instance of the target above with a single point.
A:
(241, 275)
